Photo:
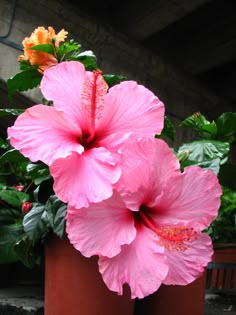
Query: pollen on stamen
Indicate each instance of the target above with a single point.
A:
(175, 238)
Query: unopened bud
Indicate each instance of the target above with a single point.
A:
(19, 187)
(26, 207)
(183, 155)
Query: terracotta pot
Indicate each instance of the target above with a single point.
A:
(224, 253)
(74, 286)
(175, 300)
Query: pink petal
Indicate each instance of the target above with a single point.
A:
(129, 107)
(43, 133)
(81, 179)
(186, 266)
(146, 164)
(190, 198)
(63, 84)
(141, 264)
(102, 228)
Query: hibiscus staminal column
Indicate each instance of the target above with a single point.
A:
(92, 102)
(173, 238)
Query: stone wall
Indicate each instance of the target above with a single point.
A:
(115, 53)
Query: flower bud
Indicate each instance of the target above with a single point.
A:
(26, 207)
(19, 187)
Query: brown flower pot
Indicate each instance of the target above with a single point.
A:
(224, 253)
(74, 286)
(175, 300)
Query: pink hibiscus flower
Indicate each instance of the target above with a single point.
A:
(150, 231)
(79, 137)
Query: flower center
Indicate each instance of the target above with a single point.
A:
(173, 238)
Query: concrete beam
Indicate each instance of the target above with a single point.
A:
(140, 19)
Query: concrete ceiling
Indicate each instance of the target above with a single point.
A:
(198, 37)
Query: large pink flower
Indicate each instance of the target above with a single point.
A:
(150, 231)
(80, 136)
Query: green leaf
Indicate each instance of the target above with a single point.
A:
(168, 130)
(14, 198)
(26, 251)
(38, 172)
(65, 49)
(113, 79)
(87, 58)
(43, 192)
(226, 124)
(9, 235)
(26, 65)
(11, 111)
(86, 54)
(56, 210)
(203, 150)
(3, 144)
(6, 219)
(35, 222)
(23, 81)
(201, 125)
(12, 156)
(210, 130)
(214, 165)
(227, 175)
(8, 216)
(194, 121)
(47, 48)
(223, 228)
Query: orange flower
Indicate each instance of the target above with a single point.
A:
(42, 36)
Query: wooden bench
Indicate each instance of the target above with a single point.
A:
(221, 278)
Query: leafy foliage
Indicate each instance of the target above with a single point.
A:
(47, 48)
(45, 217)
(22, 235)
(199, 123)
(23, 81)
(112, 79)
(168, 130)
(212, 150)
(67, 50)
(9, 235)
(87, 58)
(223, 129)
(223, 228)
(11, 111)
(226, 125)
(205, 153)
